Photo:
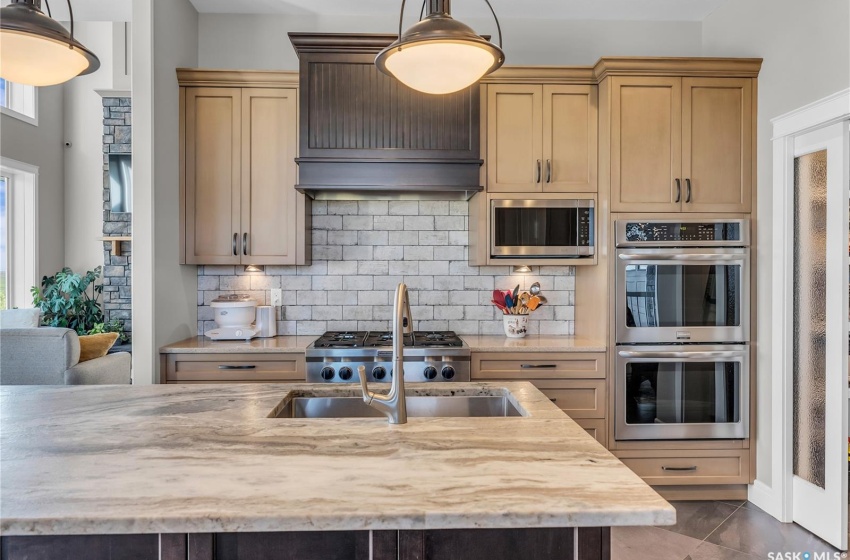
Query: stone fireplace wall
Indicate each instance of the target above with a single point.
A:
(117, 139)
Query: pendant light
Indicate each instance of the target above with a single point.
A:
(440, 54)
(37, 50)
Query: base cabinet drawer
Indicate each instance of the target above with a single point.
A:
(579, 398)
(229, 368)
(595, 427)
(522, 366)
(689, 467)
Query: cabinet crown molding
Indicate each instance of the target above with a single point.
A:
(542, 75)
(682, 67)
(200, 77)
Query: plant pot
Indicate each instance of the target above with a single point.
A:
(516, 326)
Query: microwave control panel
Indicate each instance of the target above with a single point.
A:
(585, 227)
(662, 232)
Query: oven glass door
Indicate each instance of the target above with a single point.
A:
(682, 295)
(543, 228)
(701, 393)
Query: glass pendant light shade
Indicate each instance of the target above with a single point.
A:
(37, 50)
(439, 54)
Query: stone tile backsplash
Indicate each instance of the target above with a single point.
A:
(363, 249)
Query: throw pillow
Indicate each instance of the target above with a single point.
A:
(20, 318)
(96, 345)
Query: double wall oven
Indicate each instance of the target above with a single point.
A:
(682, 329)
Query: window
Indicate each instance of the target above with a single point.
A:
(4, 254)
(18, 233)
(19, 101)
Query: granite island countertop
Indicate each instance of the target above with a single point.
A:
(211, 458)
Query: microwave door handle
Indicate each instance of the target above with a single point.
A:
(679, 257)
(694, 355)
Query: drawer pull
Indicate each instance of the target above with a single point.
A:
(553, 399)
(538, 366)
(238, 367)
(691, 468)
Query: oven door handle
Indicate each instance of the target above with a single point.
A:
(695, 355)
(679, 257)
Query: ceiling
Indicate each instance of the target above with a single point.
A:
(656, 10)
(88, 10)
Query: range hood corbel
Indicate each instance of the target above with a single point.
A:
(365, 135)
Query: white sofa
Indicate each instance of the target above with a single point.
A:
(51, 356)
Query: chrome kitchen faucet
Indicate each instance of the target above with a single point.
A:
(393, 405)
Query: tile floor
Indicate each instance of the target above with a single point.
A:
(714, 531)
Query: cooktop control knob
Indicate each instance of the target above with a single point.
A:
(379, 373)
(448, 372)
(328, 373)
(430, 372)
(345, 373)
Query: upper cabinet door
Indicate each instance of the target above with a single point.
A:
(213, 129)
(514, 138)
(269, 198)
(569, 138)
(717, 150)
(646, 128)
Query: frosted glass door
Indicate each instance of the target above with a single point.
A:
(819, 336)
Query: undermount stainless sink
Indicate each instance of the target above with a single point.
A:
(422, 407)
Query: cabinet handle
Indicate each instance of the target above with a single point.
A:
(678, 191)
(691, 468)
(688, 187)
(235, 237)
(548, 170)
(553, 399)
(537, 180)
(538, 366)
(245, 244)
(237, 367)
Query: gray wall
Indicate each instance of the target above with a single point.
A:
(42, 146)
(806, 51)
(261, 41)
(165, 37)
(83, 115)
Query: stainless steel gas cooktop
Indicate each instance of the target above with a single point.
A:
(428, 356)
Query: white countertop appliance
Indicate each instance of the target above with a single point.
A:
(234, 315)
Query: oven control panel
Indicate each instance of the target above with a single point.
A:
(632, 233)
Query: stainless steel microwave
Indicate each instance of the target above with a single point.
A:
(542, 228)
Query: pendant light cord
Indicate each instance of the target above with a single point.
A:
(71, 12)
(400, 19)
(492, 11)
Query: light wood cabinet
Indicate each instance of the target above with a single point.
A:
(575, 382)
(233, 368)
(694, 467)
(680, 144)
(541, 138)
(239, 144)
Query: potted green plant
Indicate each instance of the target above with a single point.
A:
(71, 300)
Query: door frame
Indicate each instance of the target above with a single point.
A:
(773, 492)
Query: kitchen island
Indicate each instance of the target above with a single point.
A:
(211, 472)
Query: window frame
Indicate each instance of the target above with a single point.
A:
(22, 228)
(21, 102)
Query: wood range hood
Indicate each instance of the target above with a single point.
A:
(364, 134)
